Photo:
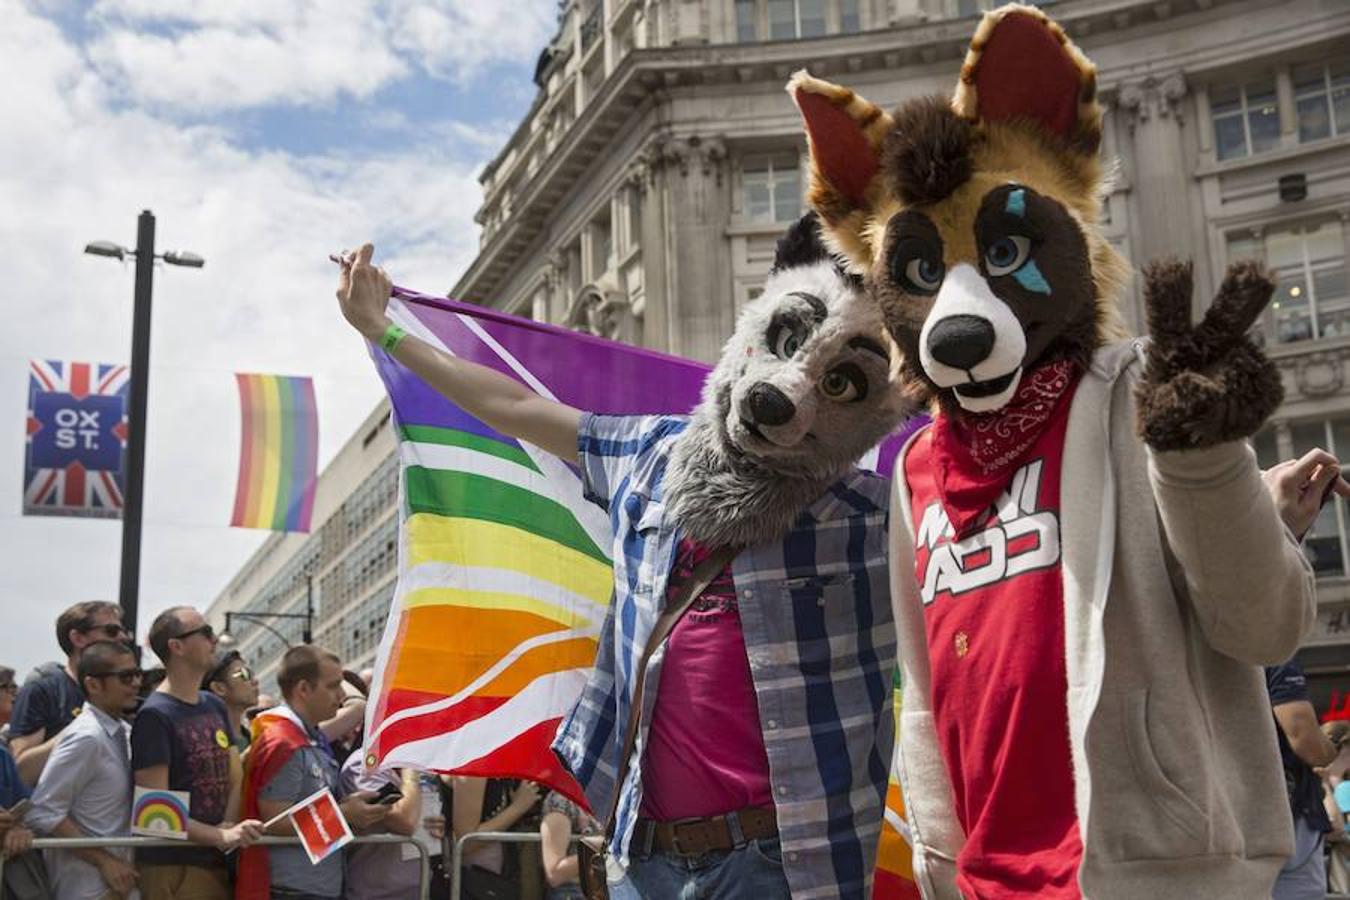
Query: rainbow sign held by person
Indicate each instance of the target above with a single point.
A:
(161, 814)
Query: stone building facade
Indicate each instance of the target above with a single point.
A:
(641, 195)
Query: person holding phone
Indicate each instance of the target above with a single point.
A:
(384, 871)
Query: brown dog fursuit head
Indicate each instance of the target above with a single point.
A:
(974, 220)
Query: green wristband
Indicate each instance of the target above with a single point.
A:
(392, 335)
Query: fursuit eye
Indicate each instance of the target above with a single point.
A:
(785, 343)
(1007, 254)
(844, 384)
(917, 267)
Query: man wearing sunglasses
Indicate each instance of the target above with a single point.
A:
(237, 687)
(85, 791)
(181, 741)
(51, 697)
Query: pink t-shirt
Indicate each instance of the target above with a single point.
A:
(705, 751)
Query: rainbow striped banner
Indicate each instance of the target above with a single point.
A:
(504, 574)
(278, 453)
(893, 878)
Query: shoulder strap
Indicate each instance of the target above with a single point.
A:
(689, 590)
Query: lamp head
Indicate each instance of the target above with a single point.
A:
(183, 258)
(106, 248)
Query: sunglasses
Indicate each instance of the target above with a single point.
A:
(126, 676)
(111, 631)
(205, 631)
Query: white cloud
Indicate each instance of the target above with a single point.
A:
(216, 55)
(87, 158)
(453, 38)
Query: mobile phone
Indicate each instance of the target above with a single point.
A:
(388, 795)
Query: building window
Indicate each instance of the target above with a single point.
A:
(796, 19)
(772, 188)
(1312, 293)
(745, 21)
(590, 26)
(1325, 544)
(633, 215)
(1246, 118)
(966, 8)
(539, 305)
(1322, 98)
(602, 244)
(850, 19)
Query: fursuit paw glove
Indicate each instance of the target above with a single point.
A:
(1205, 384)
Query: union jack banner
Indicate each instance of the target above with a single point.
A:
(77, 436)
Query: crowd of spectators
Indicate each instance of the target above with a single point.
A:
(83, 733)
(79, 736)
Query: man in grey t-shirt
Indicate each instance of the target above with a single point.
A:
(309, 770)
(311, 683)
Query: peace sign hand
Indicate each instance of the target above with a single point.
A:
(1205, 384)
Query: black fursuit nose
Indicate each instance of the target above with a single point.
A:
(962, 342)
(769, 405)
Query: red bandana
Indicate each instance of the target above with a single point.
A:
(977, 453)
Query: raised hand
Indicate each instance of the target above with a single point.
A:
(363, 292)
(1205, 384)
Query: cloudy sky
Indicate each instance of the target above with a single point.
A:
(263, 136)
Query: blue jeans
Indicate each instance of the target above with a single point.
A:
(753, 870)
(1304, 876)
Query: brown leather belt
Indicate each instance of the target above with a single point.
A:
(692, 837)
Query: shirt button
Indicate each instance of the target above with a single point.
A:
(773, 723)
(782, 790)
(792, 857)
(747, 593)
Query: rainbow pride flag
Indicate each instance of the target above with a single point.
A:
(504, 573)
(893, 878)
(278, 453)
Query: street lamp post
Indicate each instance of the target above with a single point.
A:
(257, 618)
(128, 595)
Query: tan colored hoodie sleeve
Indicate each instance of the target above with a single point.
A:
(1250, 584)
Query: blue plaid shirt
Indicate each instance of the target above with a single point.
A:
(816, 615)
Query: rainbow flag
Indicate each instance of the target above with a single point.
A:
(278, 453)
(893, 878)
(504, 570)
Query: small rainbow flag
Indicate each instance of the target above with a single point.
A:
(278, 453)
(157, 813)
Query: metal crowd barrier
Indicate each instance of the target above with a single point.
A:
(102, 843)
(505, 837)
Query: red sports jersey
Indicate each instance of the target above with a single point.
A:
(993, 608)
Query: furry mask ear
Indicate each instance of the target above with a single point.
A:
(845, 133)
(1021, 66)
